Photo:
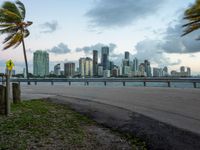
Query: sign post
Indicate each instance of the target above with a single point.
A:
(9, 67)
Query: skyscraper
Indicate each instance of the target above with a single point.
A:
(142, 69)
(69, 69)
(147, 68)
(57, 69)
(135, 65)
(157, 72)
(82, 67)
(88, 67)
(111, 65)
(95, 62)
(127, 55)
(165, 71)
(189, 71)
(182, 69)
(40, 63)
(105, 58)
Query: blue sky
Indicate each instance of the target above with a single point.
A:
(148, 29)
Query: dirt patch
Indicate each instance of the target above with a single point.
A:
(102, 138)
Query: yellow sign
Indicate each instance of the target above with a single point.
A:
(9, 65)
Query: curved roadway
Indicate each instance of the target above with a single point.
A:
(178, 107)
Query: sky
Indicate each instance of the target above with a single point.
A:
(70, 29)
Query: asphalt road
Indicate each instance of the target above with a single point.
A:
(178, 107)
(171, 115)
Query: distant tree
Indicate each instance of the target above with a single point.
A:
(192, 14)
(19, 75)
(12, 24)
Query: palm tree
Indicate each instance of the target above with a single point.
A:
(12, 24)
(192, 14)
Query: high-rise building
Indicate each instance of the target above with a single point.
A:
(135, 65)
(182, 69)
(126, 62)
(106, 73)
(105, 57)
(115, 72)
(147, 68)
(88, 67)
(142, 70)
(100, 70)
(95, 62)
(165, 71)
(111, 66)
(183, 72)
(127, 55)
(189, 71)
(126, 70)
(69, 69)
(82, 67)
(57, 69)
(40, 63)
(157, 72)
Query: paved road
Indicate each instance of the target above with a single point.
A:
(177, 107)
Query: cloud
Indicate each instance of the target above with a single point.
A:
(117, 58)
(174, 43)
(151, 50)
(118, 13)
(98, 46)
(49, 27)
(60, 49)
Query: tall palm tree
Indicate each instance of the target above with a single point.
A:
(192, 14)
(12, 24)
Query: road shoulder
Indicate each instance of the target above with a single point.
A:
(156, 134)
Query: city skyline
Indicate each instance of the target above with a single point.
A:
(41, 65)
(149, 35)
(100, 65)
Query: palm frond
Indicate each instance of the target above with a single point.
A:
(192, 17)
(28, 23)
(21, 8)
(26, 33)
(191, 23)
(7, 16)
(17, 44)
(6, 25)
(9, 30)
(8, 38)
(10, 6)
(14, 40)
(191, 28)
(192, 14)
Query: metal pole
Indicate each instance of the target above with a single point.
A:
(8, 93)
(124, 83)
(169, 84)
(195, 84)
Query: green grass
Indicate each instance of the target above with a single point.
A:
(37, 123)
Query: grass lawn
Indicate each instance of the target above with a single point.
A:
(39, 124)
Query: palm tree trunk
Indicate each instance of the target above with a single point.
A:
(25, 58)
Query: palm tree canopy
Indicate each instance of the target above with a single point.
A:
(192, 14)
(12, 23)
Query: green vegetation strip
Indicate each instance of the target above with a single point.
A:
(41, 124)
